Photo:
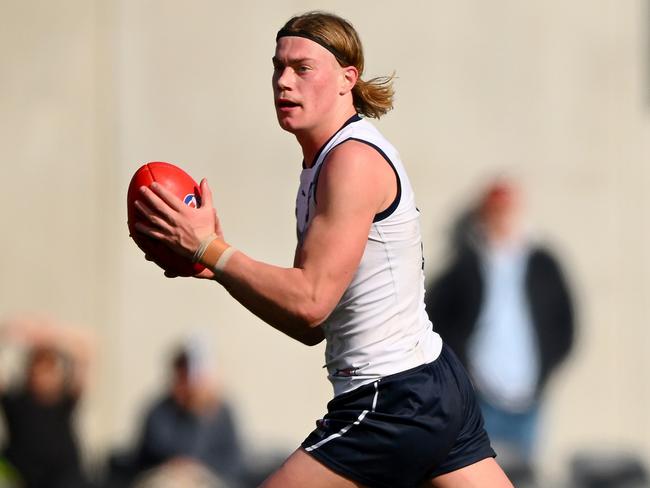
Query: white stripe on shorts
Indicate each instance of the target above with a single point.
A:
(348, 427)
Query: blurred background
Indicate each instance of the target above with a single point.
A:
(555, 93)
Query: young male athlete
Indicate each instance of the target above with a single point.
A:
(403, 413)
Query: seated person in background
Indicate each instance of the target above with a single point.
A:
(191, 423)
(39, 411)
(185, 474)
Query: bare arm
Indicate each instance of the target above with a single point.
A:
(354, 185)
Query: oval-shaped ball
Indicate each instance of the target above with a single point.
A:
(184, 187)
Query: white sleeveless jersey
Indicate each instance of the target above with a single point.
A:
(380, 326)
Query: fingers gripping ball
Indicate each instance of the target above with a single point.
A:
(184, 187)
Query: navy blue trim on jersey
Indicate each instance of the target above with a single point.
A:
(398, 196)
(354, 118)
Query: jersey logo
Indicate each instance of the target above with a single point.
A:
(303, 203)
(346, 372)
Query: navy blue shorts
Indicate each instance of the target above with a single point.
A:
(403, 429)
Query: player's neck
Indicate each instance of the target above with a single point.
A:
(312, 140)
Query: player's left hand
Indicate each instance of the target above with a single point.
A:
(178, 226)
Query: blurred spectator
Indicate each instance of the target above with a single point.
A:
(180, 474)
(606, 468)
(503, 305)
(41, 444)
(190, 425)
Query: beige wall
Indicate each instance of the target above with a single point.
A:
(555, 91)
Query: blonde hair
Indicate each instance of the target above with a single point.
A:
(372, 98)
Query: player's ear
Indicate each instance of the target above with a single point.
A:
(350, 75)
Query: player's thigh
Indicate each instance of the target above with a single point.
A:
(301, 470)
(478, 475)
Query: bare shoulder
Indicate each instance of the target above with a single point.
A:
(353, 155)
(358, 169)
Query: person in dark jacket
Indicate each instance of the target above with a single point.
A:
(504, 306)
(189, 428)
(191, 422)
(41, 444)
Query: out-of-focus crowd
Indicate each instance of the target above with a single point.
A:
(188, 435)
(502, 302)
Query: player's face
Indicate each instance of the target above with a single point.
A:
(306, 83)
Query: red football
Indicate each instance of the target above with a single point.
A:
(184, 187)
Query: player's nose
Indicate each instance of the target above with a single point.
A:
(284, 79)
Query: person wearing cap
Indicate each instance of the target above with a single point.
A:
(403, 412)
(191, 426)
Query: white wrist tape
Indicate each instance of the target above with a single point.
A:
(223, 259)
(198, 254)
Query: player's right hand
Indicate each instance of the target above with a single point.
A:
(167, 219)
